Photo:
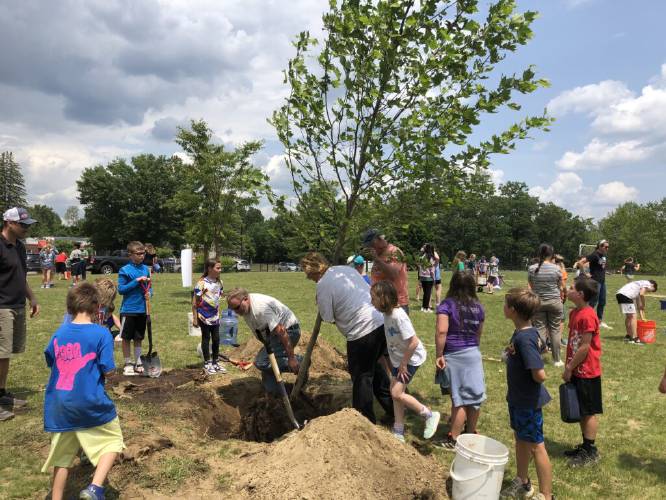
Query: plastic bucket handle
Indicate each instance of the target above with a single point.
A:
(459, 479)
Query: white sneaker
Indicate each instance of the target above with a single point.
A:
(603, 324)
(219, 368)
(399, 437)
(128, 371)
(210, 369)
(558, 364)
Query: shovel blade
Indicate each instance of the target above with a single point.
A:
(152, 366)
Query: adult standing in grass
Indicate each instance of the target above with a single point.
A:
(343, 298)
(388, 263)
(630, 298)
(597, 263)
(545, 279)
(14, 290)
(262, 312)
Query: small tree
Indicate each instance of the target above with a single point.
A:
(12, 185)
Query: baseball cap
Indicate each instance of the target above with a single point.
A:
(18, 214)
(358, 260)
(370, 235)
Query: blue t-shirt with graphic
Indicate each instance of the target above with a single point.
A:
(523, 356)
(79, 355)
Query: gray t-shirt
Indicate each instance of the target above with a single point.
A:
(545, 283)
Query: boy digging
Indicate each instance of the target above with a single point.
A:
(526, 396)
(132, 278)
(77, 410)
(583, 369)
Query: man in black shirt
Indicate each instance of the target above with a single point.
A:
(13, 291)
(597, 262)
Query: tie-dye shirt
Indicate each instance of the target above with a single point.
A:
(208, 294)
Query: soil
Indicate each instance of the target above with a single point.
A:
(337, 454)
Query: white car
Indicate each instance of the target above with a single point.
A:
(287, 266)
(241, 265)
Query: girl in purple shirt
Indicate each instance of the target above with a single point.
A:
(460, 319)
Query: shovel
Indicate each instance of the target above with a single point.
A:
(278, 376)
(151, 362)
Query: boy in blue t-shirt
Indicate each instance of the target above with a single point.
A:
(77, 410)
(526, 395)
(134, 286)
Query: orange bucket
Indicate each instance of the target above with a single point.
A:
(647, 331)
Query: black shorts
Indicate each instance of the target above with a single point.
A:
(76, 268)
(60, 267)
(438, 282)
(133, 326)
(589, 395)
(623, 299)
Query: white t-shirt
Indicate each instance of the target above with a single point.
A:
(633, 289)
(343, 298)
(399, 331)
(266, 311)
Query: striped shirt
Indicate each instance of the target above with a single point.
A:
(545, 283)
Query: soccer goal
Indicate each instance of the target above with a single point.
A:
(585, 249)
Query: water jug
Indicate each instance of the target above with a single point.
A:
(228, 328)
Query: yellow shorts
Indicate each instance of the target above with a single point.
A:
(96, 441)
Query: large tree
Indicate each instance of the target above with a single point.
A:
(49, 222)
(218, 187)
(12, 185)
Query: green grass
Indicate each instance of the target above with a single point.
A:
(631, 438)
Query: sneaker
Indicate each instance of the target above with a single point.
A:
(627, 339)
(605, 325)
(219, 368)
(399, 437)
(558, 364)
(517, 489)
(431, 424)
(12, 401)
(637, 341)
(563, 342)
(5, 415)
(128, 370)
(574, 451)
(584, 458)
(209, 368)
(138, 369)
(42, 286)
(92, 492)
(449, 443)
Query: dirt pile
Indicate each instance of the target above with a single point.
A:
(338, 456)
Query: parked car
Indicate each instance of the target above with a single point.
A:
(287, 266)
(32, 260)
(108, 264)
(169, 264)
(241, 266)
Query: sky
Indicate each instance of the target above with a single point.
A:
(84, 82)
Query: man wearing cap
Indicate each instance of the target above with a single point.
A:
(14, 289)
(388, 264)
(597, 262)
(358, 263)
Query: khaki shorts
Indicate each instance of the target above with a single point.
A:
(96, 441)
(12, 332)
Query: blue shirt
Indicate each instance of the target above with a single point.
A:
(130, 289)
(79, 355)
(523, 356)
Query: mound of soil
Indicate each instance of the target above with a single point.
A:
(338, 456)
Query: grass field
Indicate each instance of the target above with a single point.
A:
(631, 438)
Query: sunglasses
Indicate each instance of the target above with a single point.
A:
(236, 308)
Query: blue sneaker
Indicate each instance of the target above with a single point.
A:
(92, 492)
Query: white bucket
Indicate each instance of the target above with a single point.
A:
(192, 331)
(478, 467)
(186, 266)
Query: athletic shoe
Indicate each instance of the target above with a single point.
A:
(574, 451)
(584, 458)
(399, 437)
(637, 341)
(627, 339)
(449, 443)
(128, 370)
(92, 492)
(517, 489)
(209, 368)
(138, 369)
(5, 415)
(558, 364)
(431, 424)
(603, 324)
(42, 286)
(563, 342)
(219, 368)
(10, 400)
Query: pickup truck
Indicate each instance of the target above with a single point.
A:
(109, 264)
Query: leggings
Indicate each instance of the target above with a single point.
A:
(208, 331)
(427, 292)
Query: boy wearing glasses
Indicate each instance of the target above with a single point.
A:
(132, 278)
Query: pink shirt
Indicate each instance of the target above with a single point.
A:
(394, 257)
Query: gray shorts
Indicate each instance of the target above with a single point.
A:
(12, 332)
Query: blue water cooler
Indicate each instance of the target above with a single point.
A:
(228, 328)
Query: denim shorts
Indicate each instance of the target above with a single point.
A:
(527, 423)
(411, 370)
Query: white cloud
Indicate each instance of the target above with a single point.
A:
(592, 98)
(599, 154)
(565, 186)
(497, 176)
(615, 193)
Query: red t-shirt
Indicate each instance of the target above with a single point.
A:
(582, 321)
